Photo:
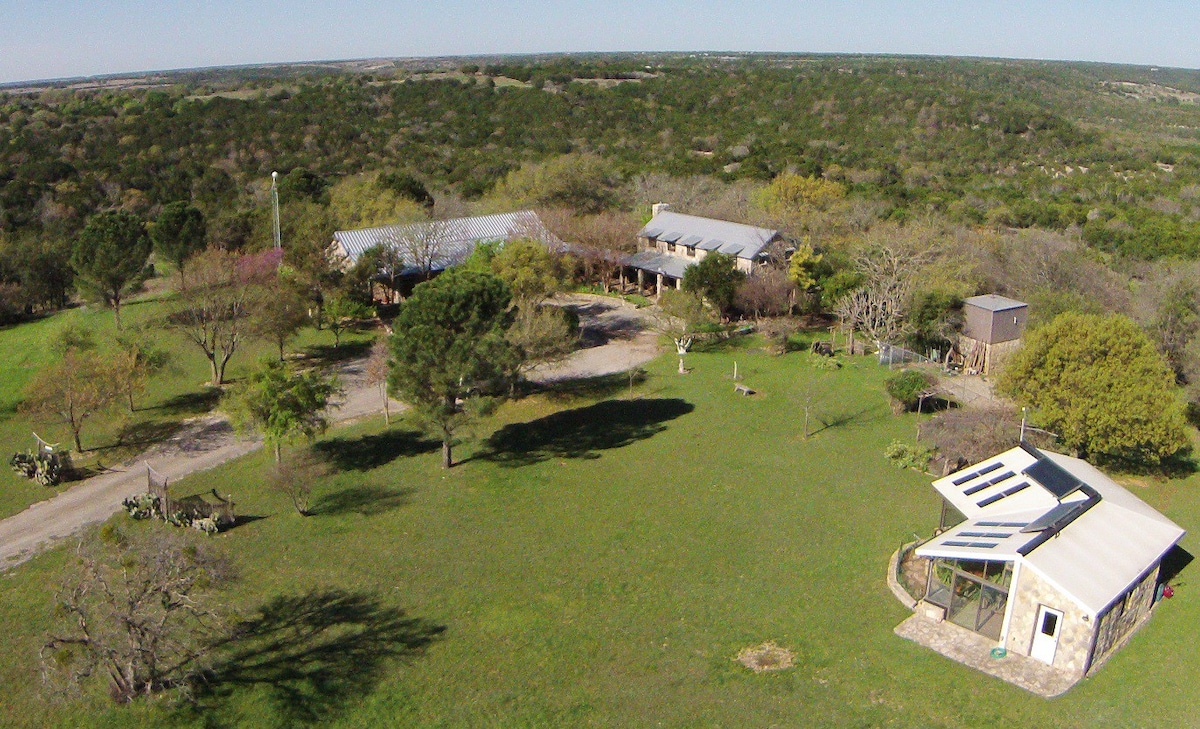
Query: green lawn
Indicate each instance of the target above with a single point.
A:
(178, 393)
(600, 565)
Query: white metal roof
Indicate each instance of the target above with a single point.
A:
(457, 236)
(1109, 541)
(995, 302)
(709, 234)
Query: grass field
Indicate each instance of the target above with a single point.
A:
(180, 392)
(599, 562)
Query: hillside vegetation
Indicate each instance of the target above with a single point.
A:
(1010, 143)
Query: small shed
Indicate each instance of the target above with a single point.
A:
(993, 319)
(992, 329)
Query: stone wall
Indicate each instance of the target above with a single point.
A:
(1075, 635)
(1124, 616)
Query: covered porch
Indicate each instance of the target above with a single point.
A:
(649, 273)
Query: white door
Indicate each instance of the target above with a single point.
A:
(1045, 635)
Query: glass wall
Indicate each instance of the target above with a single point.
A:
(973, 592)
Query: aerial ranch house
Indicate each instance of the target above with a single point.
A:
(444, 243)
(671, 242)
(1047, 556)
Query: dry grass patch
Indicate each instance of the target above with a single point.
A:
(765, 657)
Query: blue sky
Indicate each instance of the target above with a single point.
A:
(57, 38)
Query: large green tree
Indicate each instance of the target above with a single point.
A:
(110, 257)
(179, 233)
(449, 348)
(1100, 384)
(716, 278)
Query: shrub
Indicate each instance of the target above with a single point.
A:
(906, 387)
(823, 362)
(904, 455)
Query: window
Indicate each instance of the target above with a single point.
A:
(1049, 623)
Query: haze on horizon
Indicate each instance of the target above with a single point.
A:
(58, 39)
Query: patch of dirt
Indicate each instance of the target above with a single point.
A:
(765, 657)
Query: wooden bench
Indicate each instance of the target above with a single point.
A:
(742, 389)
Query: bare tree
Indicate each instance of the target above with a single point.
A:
(810, 393)
(766, 292)
(601, 240)
(137, 610)
(376, 373)
(424, 246)
(970, 435)
(72, 390)
(879, 307)
(295, 475)
(215, 313)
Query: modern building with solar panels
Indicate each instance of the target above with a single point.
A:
(671, 242)
(1047, 556)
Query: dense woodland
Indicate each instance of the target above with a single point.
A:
(1073, 186)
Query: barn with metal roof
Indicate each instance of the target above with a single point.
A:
(448, 242)
(1047, 556)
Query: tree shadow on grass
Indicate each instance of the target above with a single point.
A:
(602, 386)
(365, 500)
(325, 355)
(312, 654)
(147, 432)
(368, 452)
(847, 418)
(582, 432)
(190, 403)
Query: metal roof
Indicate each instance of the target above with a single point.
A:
(995, 302)
(457, 237)
(1093, 543)
(655, 262)
(743, 241)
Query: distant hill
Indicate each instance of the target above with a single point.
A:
(1109, 149)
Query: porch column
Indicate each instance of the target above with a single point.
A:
(659, 286)
(641, 281)
(678, 284)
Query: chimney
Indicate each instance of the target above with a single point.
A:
(657, 208)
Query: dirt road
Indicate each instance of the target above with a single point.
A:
(614, 340)
(203, 443)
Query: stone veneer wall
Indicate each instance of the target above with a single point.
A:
(1124, 616)
(1075, 635)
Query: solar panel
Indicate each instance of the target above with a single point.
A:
(1053, 477)
(1004, 494)
(974, 474)
(1062, 512)
(988, 483)
(986, 535)
(976, 545)
(1000, 523)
